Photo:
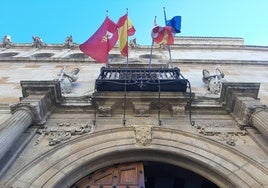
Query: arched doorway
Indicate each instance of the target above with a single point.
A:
(68, 162)
(146, 174)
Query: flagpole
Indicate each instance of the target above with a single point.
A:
(169, 48)
(151, 54)
(107, 46)
(127, 39)
(150, 61)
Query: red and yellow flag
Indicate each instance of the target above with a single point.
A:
(125, 29)
(163, 35)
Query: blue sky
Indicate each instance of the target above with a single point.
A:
(53, 20)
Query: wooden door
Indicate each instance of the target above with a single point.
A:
(127, 175)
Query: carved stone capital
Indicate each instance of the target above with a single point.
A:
(38, 98)
(38, 114)
(259, 120)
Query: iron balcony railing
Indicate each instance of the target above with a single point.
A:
(140, 79)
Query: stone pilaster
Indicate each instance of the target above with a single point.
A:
(259, 120)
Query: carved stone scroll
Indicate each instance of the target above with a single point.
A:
(62, 132)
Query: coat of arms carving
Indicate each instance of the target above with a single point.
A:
(143, 135)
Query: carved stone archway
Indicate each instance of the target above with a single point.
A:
(68, 162)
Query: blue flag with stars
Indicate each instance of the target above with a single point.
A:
(175, 23)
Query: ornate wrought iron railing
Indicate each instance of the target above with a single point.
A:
(140, 79)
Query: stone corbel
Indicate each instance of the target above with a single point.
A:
(105, 111)
(177, 110)
(141, 109)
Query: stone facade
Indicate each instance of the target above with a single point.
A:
(53, 139)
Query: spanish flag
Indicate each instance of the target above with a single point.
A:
(125, 29)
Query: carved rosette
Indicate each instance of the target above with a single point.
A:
(143, 135)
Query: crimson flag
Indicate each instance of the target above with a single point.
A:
(163, 35)
(101, 42)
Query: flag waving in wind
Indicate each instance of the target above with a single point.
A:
(125, 29)
(175, 23)
(101, 42)
(162, 35)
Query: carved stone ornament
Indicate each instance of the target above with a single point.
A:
(63, 131)
(143, 135)
(229, 135)
(177, 110)
(67, 78)
(38, 42)
(213, 82)
(69, 42)
(7, 41)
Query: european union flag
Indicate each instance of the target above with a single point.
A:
(175, 23)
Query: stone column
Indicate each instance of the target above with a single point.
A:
(12, 128)
(259, 120)
(37, 102)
